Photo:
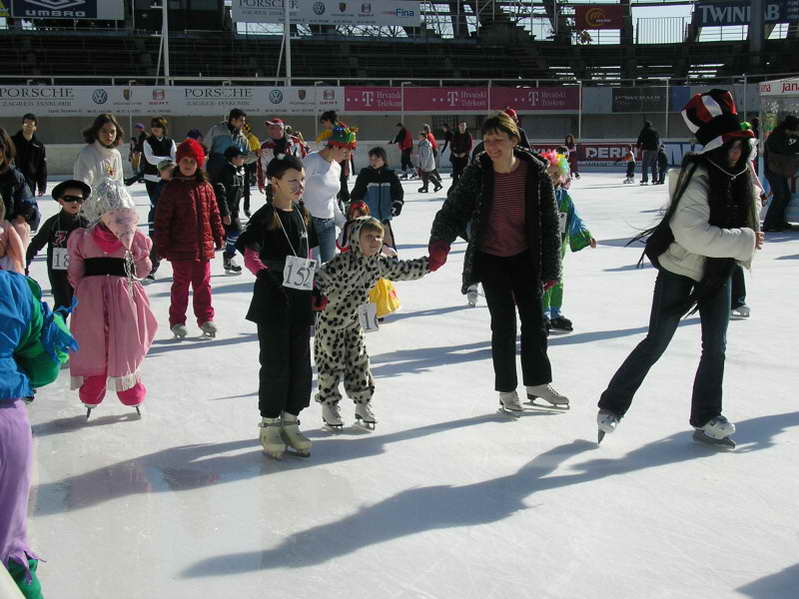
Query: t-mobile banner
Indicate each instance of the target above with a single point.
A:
(446, 99)
(372, 99)
(535, 98)
(112, 10)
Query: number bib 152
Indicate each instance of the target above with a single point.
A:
(298, 273)
(60, 259)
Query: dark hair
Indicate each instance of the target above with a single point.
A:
(159, 121)
(329, 115)
(195, 134)
(29, 116)
(400, 125)
(569, 137)
(90, 134)
(379, 152)
(790, 122)
(426, 128)
(444, 126)
(277, 167)
(562, 150)
(647, 123)
(7, 146)
(500, 122)
(235, 113)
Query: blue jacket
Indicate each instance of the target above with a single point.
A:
(381, 190)
(18, 198)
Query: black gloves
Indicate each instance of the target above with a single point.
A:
(396, 208)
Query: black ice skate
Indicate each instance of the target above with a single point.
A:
(561, 323)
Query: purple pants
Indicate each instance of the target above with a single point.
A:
(15, 481)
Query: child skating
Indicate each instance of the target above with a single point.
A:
(188, 229)
(629, 159)
(55, 232)
(571, 228)
(276, 245)
(339, 348)
(112, 321)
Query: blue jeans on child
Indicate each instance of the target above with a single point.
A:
(670, 292)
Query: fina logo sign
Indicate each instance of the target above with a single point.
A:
(596, 17)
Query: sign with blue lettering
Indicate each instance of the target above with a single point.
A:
(738, 12)
(113, 10)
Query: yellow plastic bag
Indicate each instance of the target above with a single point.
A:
(384, 296)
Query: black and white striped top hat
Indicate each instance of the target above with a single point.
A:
(713, 119)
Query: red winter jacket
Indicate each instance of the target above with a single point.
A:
(187, 221)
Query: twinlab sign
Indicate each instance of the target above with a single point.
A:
(715, 14)
(69, 9)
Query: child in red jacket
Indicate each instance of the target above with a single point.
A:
(188, 229)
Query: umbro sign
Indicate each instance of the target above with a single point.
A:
(68, 9)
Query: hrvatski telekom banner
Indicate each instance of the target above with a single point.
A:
(461, 100)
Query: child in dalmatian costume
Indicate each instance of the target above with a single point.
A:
(339, 348)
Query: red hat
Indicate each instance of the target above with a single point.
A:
(713, 119)
(191, 148)
(276, 121)
(511, 113)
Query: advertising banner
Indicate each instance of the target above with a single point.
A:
(536, 98)
(177, 100)
(113, 10)
(372, 99)
(639, 99)
(599, 16)
(738, 12)
(329, 12)
(446, 99)
(780, 87)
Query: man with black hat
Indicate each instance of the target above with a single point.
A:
(229, 189)
(54, 233)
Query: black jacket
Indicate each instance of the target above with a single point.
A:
(17, 197)
(648, 139)
(229, 188)
(381, 190)
(32, 161)
(471, 201)
(461, 144)
(54, 234)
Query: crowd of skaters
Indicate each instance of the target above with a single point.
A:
(511, 204)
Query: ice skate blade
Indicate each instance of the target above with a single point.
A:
(275, 455)
(88, 412)
(514, 414)
(600, 436)
(368, 426)
(531, 402)
(725, 443)
(138, 411)
(299, 454)
(333, 428)
(209, 335)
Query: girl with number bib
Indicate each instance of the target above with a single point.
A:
(277, 244)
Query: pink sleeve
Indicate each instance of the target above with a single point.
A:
(75, 269)
(141, 255)
(253, 261)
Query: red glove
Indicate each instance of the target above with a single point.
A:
(319, 302)
(549, 284)
(438, 251)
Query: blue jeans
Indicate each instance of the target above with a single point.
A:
(649, 162)
(326, 233)
(672, 290)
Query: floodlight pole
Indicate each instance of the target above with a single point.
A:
(316, 108)
(165, 38)
(287, 35)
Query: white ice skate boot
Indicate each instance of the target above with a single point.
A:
(179, 331)
(272, 438)
(293, 437)
(364, 416)
(472, 295)
(607, 422)
(740, 313)
(331, 415)
(509, 403)
(716, 432)
(208, 328)
(549, 394)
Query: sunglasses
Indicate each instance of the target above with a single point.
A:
(77, 199)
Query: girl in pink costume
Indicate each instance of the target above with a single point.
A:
(106, 262)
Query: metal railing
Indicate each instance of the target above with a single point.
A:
(667, 30)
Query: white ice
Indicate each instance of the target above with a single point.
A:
(446, 499)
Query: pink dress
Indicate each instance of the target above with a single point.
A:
(112, 323)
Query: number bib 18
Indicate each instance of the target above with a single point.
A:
(367, 316)
(60, 259)
(298, 273)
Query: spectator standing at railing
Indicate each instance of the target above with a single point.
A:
(649, 143)
(31, 156)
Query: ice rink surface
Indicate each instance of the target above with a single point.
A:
(446, 499)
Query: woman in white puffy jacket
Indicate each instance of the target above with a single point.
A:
(711, 225)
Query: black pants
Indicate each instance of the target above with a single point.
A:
(630, 170)
(780, 196)
(511, 284)
(249, 177)
(406, 160)
(671, 291)
(152, 191)
(284, 383)
(62, 290)
(458, 165)
(738, 293)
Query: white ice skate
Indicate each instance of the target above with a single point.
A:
(607, 422)
(716, 432)
(331, 416)
(740, 313)
(509, 403)
(364, 416)
(472, 295)
(272, 438)
(179, 331)
(293, 437)
(549, 394)
(208, 328)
